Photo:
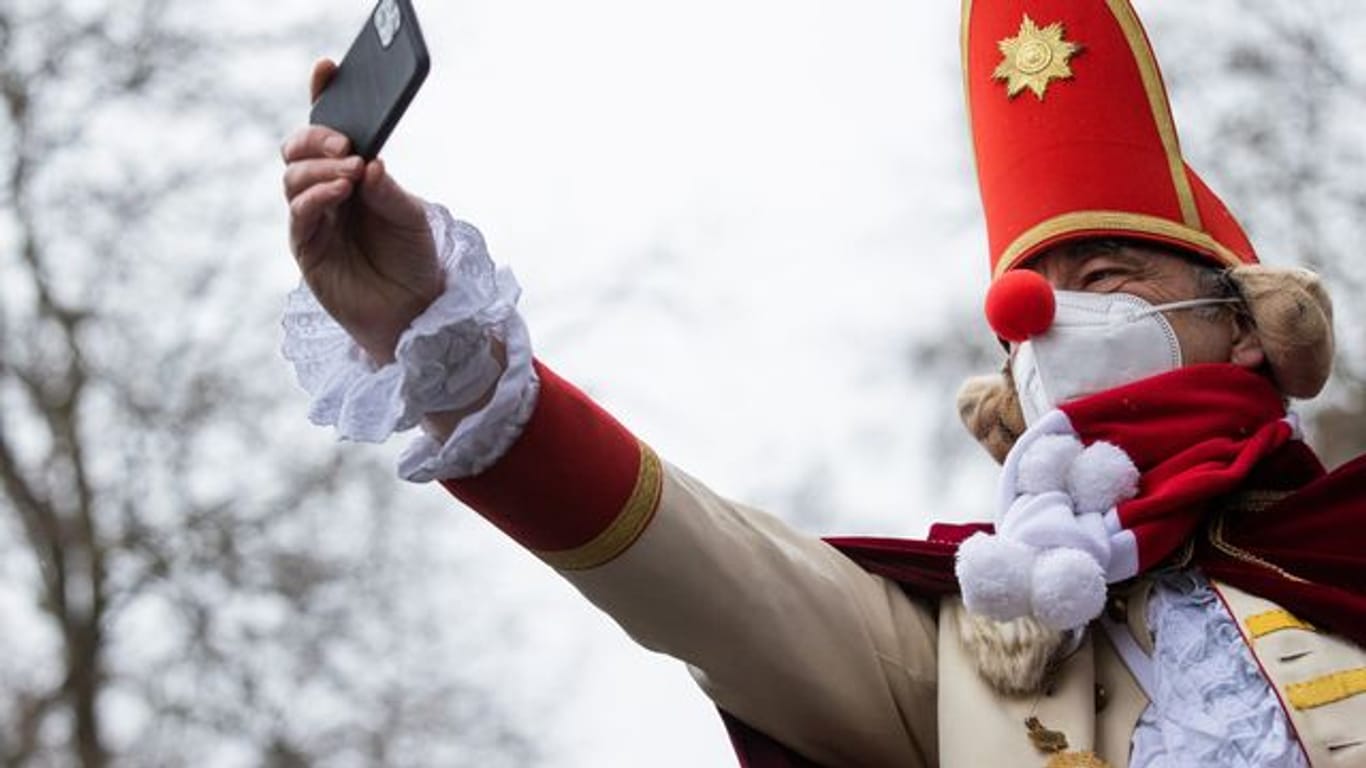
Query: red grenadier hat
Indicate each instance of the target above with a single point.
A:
(1074, 136)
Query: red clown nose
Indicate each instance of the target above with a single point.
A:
(1020, 304)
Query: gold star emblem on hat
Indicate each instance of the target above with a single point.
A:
(1034, 58)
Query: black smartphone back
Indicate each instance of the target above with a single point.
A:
(377, 79)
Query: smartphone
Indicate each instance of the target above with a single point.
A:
(377, 79)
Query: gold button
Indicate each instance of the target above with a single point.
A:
(1102, 698)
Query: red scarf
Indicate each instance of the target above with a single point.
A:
(1195, 434)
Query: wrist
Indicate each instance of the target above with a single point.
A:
(380, 348)
(380, 340)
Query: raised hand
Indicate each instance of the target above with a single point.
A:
(360, 240)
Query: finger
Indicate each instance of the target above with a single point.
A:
(302, 174)
(315, 141)
(383, 195)
(323, 70)
(311, 208)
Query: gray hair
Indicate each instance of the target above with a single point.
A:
(1217, 283)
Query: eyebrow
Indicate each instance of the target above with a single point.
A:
(1125, 257)
(1094, 246)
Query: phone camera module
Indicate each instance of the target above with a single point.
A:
(387, 21)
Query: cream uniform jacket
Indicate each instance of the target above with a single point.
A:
(783, 631)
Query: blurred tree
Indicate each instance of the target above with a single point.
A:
(1270, 101)
(181, 580)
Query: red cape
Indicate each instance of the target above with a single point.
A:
(1306, 552)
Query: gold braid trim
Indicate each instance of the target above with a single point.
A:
(1328, 689)
(1113, 221)
(1161, 109)
(1216, 537)
(617, 537)
(1263, 624)
(1076, 760)
(1255, 502)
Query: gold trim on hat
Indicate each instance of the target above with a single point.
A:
(965, 36)
(1113, 221)
(1161, 108)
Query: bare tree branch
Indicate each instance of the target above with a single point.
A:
(144, 469)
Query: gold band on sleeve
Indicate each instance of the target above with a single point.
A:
(617, 537)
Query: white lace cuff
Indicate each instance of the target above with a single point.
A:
(444, 361)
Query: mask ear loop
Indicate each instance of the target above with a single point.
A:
(1187, 304)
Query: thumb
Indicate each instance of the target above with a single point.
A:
(391, 202)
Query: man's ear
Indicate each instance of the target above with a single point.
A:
(1247, 345)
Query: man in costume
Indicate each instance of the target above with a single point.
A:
(1171, 577)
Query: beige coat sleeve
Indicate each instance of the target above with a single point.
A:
(779, 628)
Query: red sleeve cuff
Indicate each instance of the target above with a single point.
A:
(577, 488)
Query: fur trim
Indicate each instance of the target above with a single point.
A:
(990, 409)
(1293, 315)
(1101, 477)
(1012, 656)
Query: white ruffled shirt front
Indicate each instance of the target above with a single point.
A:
(1211, 705)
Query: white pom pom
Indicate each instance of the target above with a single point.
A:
(993, 573)
(1068, 589)
(1043, 466)
(1101, 477)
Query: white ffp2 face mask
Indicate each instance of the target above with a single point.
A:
(1098, 341)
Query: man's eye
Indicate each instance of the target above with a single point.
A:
(1099, 275)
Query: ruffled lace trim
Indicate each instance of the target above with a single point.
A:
(444, 361)
(483, 438)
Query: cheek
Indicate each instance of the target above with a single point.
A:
(1203, 340)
